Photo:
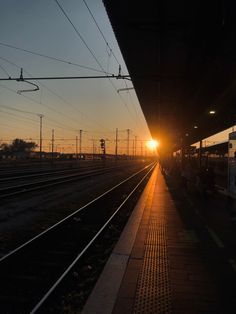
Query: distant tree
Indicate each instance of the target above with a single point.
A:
(4, 147)
(18, 146)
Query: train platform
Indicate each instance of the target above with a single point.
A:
(163, 263)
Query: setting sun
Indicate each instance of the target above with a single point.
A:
(152, 144)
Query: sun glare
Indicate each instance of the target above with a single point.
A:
(152, 144)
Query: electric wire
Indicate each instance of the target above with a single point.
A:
(68, 103)
(50, 57)
(57, 59)
(4, 70)
(111, 52)
(59, 124)
(41, 103)
(103, 36)
(59, 97)
(12, 127)
(20, 118)
(135, 109)
(80, 36)
(19, 110)
(29, 120)
(92, 53)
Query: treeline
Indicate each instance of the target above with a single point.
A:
(18, 146)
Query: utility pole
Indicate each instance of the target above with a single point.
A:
(141, 148)
(80, 142)
(76, 147)
(128, 135)
(135, 146)
(93, 147)
(116, 149)
(52, 144)
(40, 135)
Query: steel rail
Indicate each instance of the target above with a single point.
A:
(36, 175)
(29, 187)
(26, 170)
(53, 287)
(47, 173)
(73, 214)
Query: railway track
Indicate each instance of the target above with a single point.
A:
(31, 273)
(37, 183)
(8, 174)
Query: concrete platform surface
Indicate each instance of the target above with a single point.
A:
(156, 266)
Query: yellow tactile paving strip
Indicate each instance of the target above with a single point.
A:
(153, 294)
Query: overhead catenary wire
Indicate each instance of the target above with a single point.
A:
(47, 106)
(111, 52)
(93, 55)
(18, 110)
(59, 124)
(103, 36)
(55, 94)
(41, 103)
(12, 127)
(19, 117)
(80, 36)
(72, 77)
(5, 71)
(47, 95)
(45, 78)
(69, 104)
(50, 57)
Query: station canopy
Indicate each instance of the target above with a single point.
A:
(181, 56)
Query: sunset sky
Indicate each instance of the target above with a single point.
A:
(65, 38)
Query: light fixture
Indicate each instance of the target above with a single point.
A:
(195, 127)
(212, 112)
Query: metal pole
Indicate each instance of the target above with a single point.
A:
(93, 148)
(116, 149)
(52, 144)
(76, 147)
(40, 135)
(135, 145)
(128, 134)
(80, 142)
(22, 79)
